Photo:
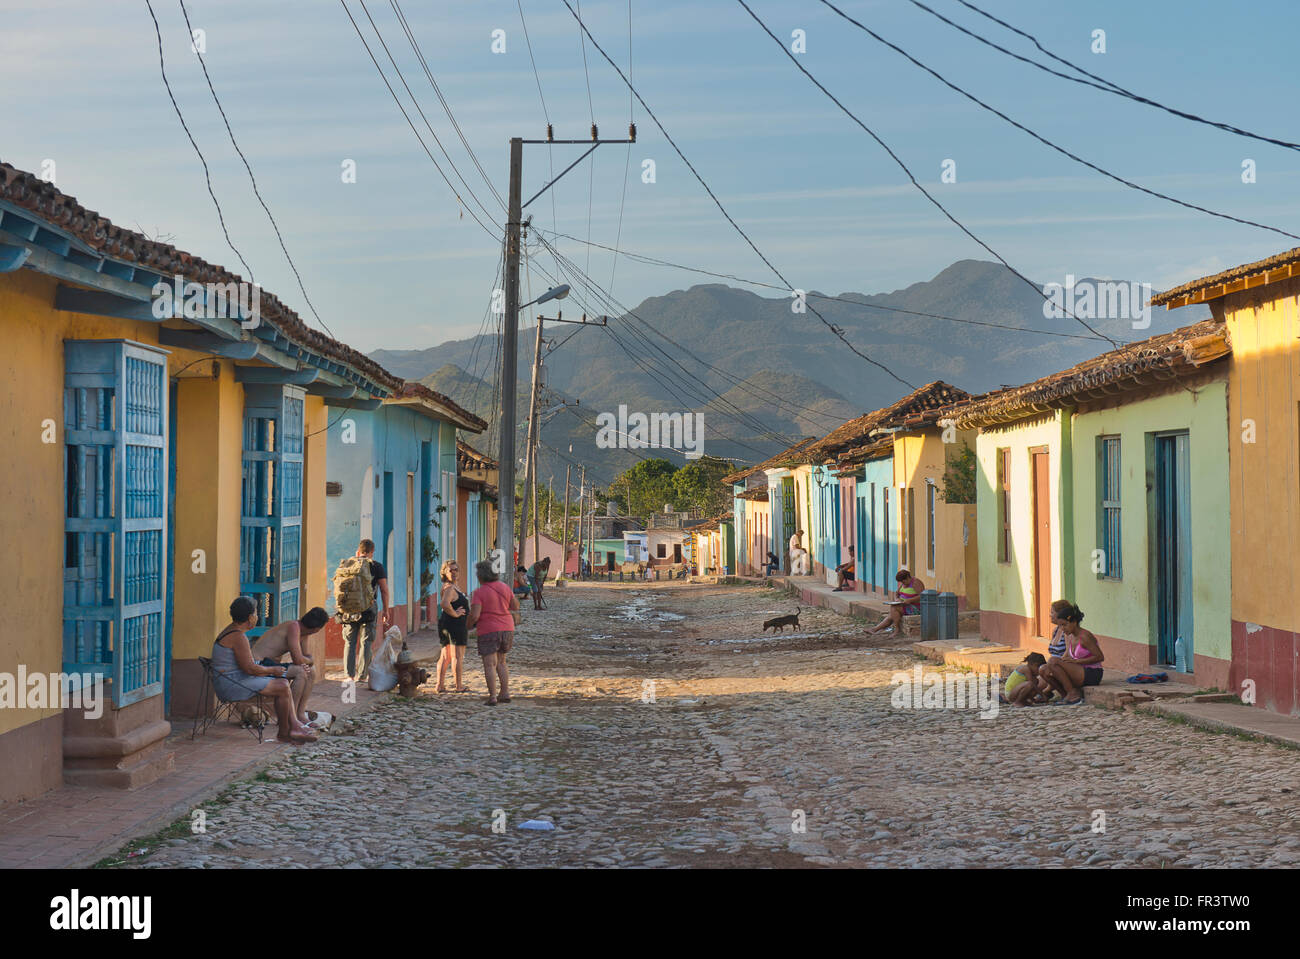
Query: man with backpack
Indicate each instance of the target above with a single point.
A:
(360, 583)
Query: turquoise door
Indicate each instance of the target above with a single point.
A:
(1173, 547)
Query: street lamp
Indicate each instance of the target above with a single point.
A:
(554, 293)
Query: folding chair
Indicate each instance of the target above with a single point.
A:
(211, 708)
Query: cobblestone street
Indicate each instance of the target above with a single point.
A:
(745, 730)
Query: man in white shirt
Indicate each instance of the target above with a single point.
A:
(798, 557)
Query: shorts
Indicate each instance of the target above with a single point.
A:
(912, 609)
(1092, 675)
(499, 642)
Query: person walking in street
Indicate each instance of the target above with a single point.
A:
(360, 587)
(236, 676)
(492, 610)
(453, 627)
(290, 639)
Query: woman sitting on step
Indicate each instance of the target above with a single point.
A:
(907, 604)
(1079, 664)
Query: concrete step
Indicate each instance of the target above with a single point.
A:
(973, 653)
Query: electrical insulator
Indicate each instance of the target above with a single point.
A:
(550, 134)
(593, 131)
(631, 132)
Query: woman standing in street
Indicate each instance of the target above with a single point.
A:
(453, 629)
(492, 609)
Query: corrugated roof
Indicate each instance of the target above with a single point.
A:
(1280, 266)
(1167, 356)
(34, 195)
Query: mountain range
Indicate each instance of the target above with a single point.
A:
(763, 375)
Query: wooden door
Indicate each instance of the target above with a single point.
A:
(1042, 543)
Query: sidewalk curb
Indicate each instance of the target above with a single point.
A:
(181, 808)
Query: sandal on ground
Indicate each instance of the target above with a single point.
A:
(503, 699)
(464, 690)
(489, 702)
(1069, 702)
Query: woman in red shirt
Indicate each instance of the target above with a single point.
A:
(492, 609)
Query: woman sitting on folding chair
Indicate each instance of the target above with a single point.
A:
(236, 676)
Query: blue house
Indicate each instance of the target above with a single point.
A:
(393, 479)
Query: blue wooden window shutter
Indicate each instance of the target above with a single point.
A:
(270, 535)
(115, 516)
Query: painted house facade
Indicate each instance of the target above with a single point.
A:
(393, 480)
(174, 457)
(476, 510)
(872, 484)
(1106, 484)
(1257, 303)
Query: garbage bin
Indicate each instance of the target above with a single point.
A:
(929, 614)
(946, 608)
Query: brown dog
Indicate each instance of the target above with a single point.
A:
(779, 623)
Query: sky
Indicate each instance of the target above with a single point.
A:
(395, 261)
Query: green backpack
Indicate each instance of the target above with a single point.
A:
(354, 589)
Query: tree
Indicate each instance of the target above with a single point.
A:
(648, 485)
(959, 477)
(698, 486)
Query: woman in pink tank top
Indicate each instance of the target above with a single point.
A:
(1080, 665)
(492, 610)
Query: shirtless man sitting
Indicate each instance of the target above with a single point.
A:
(290, 638)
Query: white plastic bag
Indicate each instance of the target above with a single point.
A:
(383, 666)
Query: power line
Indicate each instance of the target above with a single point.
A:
(1041, 139)
(416, 103)
(644, 258)
(1106, 86)
(742, 416)
(393, 93)
(410, 36)
(207, 176)
(550, 152)
(256, 192)
(627, 159)
(645, 106)
(916, 183)
(690, 384)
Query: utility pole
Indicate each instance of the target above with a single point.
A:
(582, 492)
(510, 324)
(530, 449)
(509, 351)
(550, 498)
(564, 530)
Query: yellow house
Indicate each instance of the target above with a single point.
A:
(166, 440)
(1258, 303)
(939, 533)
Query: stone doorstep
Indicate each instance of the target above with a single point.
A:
(1213, 712)
(999, 660)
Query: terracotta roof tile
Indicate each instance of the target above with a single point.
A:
(1177, 353)
(857, 432)
(1280, 266)
(28, 192)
